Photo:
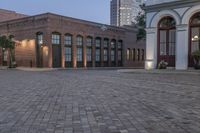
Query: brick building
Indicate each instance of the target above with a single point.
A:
(50, 40)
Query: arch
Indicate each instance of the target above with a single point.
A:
(55, 32)
(68, 34)
(158, 16)
(189, 13)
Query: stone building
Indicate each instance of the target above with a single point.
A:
(51, 40)
(173, 32)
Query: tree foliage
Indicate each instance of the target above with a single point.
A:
(7, 43)
(141, 24)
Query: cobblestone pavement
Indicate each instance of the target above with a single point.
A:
(98, 101)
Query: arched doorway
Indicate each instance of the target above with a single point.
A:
(194, 36)
(167, 40)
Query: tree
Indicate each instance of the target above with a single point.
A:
(9, 44)
(141, 24)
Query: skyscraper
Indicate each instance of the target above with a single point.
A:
(124, 12)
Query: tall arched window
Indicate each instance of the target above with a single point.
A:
(68, 50)
(167, 40)
(119, 52)
(105, 52)
(79, 51)
(113, 52)
(89, 42)
(97, 52)
(194, 36)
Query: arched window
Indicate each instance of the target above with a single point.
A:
(79, 51)
(39, 37)
(119, 52)
(167, 40)
(195, 32)
(97, 51)
(105, 51)
(56, 38)
(194, 35)
(89, 51)
(113, 52)
(68, 50)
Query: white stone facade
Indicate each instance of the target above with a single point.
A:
(153, 2)
(181, 11)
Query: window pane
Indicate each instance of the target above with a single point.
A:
(172, 42)
(113, 44)
(105, 55)
(112, 55)
(55, 39)
(79, 41)
(89, 54)
(196, 19)
(40, 39)
(68, 54)
(163, 43)
(89, 42)
(167, 22)
(195, 39)
(106, 42)
(119, 45)
(119, 55)
(98, 43)
(97, 55)
(68, 40)
(79, 55)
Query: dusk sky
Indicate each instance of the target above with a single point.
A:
(92, 10)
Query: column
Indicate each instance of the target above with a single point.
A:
(48, 42)
(151, 48)
(182, 47)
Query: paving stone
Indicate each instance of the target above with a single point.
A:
(98, 101)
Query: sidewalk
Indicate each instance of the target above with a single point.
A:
(158, 71)
(35, 69)
(3, 67)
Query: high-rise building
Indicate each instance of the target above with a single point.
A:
(124, 12)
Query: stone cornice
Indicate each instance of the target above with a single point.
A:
(171, 5)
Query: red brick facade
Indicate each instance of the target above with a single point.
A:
(29, 53)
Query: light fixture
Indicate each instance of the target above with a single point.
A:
(149, 64)
(195, 38)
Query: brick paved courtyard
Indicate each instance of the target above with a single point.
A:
(98, 101)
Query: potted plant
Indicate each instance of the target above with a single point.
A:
(196, 59)
(162, 65)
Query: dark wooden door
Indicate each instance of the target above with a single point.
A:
(167, 46)
(56, 51)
